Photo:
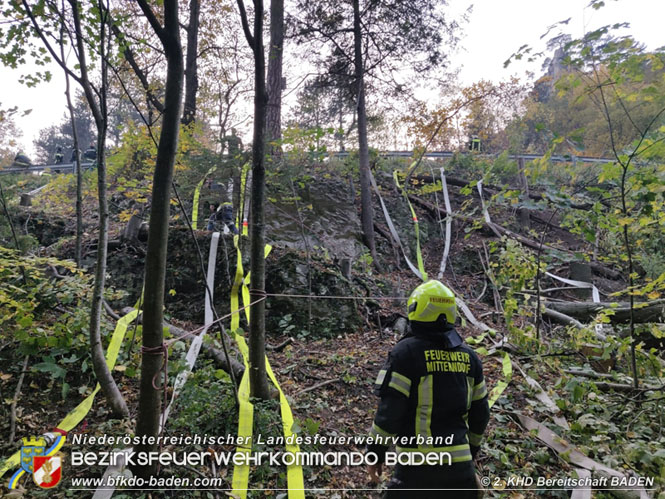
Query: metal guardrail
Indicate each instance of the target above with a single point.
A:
(69, 167)
(54, 168)
(450, 154)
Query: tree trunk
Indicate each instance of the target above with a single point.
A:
(191, 67)
(100, 113)
(366, 208)
(275, 87)
(643, 312)
(257, 368)
(79, 178)
(147, 422)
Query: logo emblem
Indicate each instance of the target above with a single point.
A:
(32, 447)
(48, 471)
(40, 458)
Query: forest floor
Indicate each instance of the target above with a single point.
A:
(329, 385)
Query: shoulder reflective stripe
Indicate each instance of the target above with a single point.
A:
(458, 453)
(479, 391)
(424, 408)
(475, 439)
(469, 391)
(377, 430)
(400, 383)
(381, 377)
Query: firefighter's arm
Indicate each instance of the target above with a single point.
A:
(393, 388)
(479, 413)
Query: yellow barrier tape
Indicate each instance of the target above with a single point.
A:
(294, 476)
(240, 478)
(72, 419)
(503, 384)
(416, 226)
(195, 202)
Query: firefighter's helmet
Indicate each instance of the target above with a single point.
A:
(429, 301)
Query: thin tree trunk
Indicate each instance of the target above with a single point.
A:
(191, 67)
(147, 422)
(77, 158)
(100, 113)
(366, 208)
(257, 369)
(79, 174)
(274, 111)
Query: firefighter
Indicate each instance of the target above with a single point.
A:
(224, 214)
(474, 143)
(433, 403)
(90, 153)
(22, 160)
(59, 157)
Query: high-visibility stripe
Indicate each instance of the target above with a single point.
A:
(469, 391)
(475, 439)
(381, 377)
(479, 391)
(424, 407)
(400, 383)
(458, 453)
(380, 432)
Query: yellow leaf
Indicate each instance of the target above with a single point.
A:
(654, 295)
(624, 221)
(120, 368)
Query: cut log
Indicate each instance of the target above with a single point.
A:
(642, 312)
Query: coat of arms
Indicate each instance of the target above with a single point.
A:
(32, 447)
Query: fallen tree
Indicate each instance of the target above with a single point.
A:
(215, 354)
(653, 311)
(501, 231)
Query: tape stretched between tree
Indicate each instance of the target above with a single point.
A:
(392, 229)
(197, 193)
(416, 228)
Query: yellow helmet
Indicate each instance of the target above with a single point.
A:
(429, 300)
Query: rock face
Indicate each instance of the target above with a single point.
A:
(286, 273)
(330, 221)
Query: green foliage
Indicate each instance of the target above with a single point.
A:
(513, 269)
(45, 317)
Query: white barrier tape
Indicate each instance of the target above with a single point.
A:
(595, 295)
(449, 222)
(190, 359)
(391, 227)
(482, 202)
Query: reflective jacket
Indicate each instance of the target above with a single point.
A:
(431, 386)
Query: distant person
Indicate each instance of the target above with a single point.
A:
(222, 214)
(90, 153)
(233, 142)
(474, 143)
(22, 160)
(75, 152)
(59, 157)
